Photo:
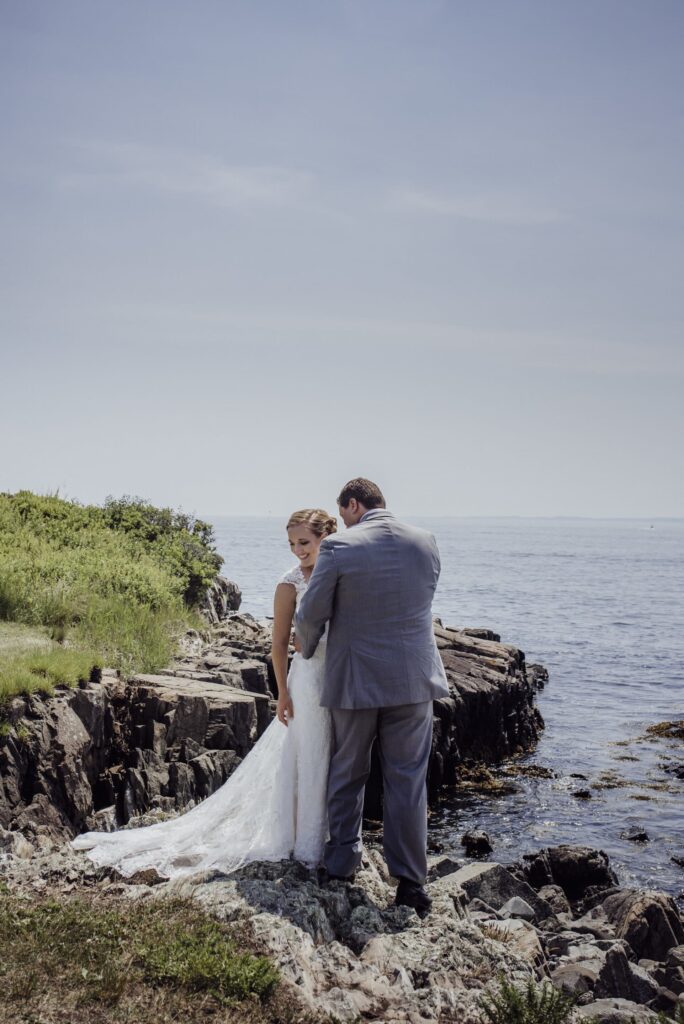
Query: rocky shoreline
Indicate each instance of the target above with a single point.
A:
(346, 953)
(112, 749)
(119, 752)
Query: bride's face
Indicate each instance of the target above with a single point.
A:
(304, 544)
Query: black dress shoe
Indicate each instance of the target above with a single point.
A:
(411, 894)
(325, 876)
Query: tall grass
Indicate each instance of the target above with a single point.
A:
(120, 582)
(40, 672)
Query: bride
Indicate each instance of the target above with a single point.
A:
(273, 806)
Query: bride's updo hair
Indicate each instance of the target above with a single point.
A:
(318, 521)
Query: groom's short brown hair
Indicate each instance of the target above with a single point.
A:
(365, 491)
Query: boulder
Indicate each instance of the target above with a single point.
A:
(674, 970)
(648, 920)
(576, 979)
(556, 898)
(518, 907)
(619, 977)
(476, 843)
(220, 599)
(574, 868)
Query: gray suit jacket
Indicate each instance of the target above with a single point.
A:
(374, 585)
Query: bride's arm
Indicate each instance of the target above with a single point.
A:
(283, 614)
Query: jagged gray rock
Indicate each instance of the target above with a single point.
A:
(648, 920)
(352, 953)
(616, 1011)
(574, 868)
(495, 885)
(221, 598)
(128, 744)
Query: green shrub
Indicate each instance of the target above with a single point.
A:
(121, 580)
(53, 553)
(531, 1005)
(200, 957)
(678, 1017)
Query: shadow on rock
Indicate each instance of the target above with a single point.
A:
(345, 912)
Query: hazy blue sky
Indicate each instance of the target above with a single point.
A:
(249, 250)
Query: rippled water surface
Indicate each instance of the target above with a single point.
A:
(601, 604)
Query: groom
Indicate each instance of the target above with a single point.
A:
(374, 586)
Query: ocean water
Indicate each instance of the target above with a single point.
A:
(601, 604)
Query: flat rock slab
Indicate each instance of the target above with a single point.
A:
(182, 686)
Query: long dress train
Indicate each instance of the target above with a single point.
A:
(272, 807)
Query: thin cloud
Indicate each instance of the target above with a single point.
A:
(555, 351)
(488, 209)
(196, 175)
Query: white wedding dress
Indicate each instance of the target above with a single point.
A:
(272, 807)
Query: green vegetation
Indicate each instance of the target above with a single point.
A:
(144, 961)
(41, 672)
(531, 1005)
(118, 583)
(678, 1017)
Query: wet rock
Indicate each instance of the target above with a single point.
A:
(635, 835)
(538, 676)
(574, 868)
(669, 730)
(648, 920)
(476, 843)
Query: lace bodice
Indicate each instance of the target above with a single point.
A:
(295, 576)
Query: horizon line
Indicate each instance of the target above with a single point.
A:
(413, 515)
